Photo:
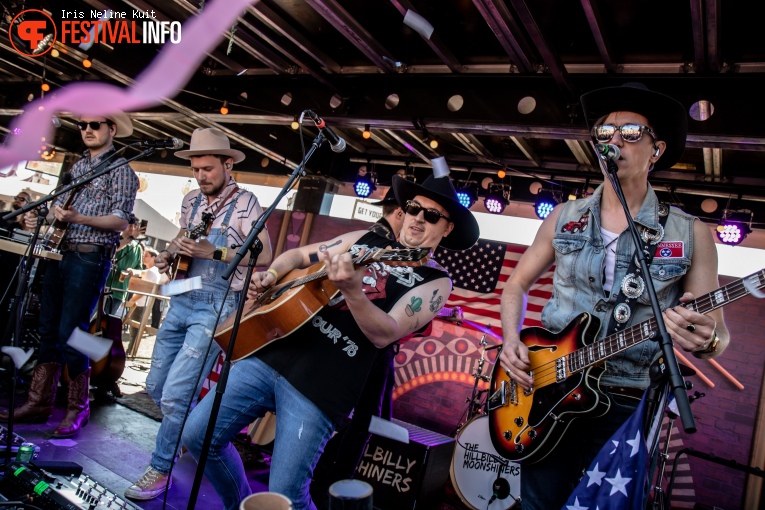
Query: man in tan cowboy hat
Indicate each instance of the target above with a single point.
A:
(95, 218)
(312, 379)
(184, 339)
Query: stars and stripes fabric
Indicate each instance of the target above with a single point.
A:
(479, 275)
(618, 477)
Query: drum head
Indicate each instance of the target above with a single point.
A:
(474, 469)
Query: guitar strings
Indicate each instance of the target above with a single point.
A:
(546, 373)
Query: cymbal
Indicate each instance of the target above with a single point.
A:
(481, 328)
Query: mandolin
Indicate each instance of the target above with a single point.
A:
(181, 263)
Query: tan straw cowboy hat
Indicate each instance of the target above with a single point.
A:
(210, 141)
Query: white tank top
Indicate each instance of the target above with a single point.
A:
(609, 262)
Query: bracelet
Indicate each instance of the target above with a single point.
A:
(711, 349)
(273, 272)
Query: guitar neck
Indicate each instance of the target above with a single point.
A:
(599, 351)
(57, 229)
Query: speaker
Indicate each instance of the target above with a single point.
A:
(405, 476)
(310, 194)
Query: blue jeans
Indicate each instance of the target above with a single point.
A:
(548, 483)
(302, 430)
(70, 293)
(178, 359)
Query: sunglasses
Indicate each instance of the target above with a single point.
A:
(603, 133)
(95, 125)
(20, 199)
(431, 215)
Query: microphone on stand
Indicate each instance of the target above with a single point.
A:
(167, 143)
(335, 142)
(608, 151)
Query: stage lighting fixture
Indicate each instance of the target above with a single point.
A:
(497, 198)
(365, 182)
(544, 204)
(366, 134)
(467, 192)
(734, 226)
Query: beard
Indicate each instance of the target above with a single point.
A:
(15, 206)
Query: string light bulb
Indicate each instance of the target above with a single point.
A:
(366, 134)
(45, 87)
(54, 53)
(433, 143)
(224, 108)
(295, 124)
(86, 63)
(501, 174)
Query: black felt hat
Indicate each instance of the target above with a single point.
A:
(666, 115)
(441, 190)
(388, 199)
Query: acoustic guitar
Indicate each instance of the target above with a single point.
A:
(181, 263)
(297, 297)
(566, 367)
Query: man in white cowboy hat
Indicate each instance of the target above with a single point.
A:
(313, 378)
(594, 273)
(96, 216)
(184, 347)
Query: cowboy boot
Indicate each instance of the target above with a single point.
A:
(42, 394)
(78, 409)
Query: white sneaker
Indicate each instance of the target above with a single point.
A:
(149, 486)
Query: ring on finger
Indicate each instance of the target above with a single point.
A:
(691, 327)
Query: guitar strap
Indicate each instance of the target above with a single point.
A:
(633, 284)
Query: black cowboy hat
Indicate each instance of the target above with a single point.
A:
(666, 115)
(441, 190)
(389, 199)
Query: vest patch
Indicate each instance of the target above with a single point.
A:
(670, 249)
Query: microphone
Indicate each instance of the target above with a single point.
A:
(167, 143)
(335, 142)
(608, 151)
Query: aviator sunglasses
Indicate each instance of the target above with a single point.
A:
(95, 125)
(431, 215)
(603, 133)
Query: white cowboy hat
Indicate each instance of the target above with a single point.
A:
(210, 141)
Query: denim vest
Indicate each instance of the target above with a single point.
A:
(211, 271)
(578, 279)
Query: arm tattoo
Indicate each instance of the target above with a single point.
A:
(435, 303)
(413, 307)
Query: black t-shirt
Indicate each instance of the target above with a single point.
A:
(327, 359)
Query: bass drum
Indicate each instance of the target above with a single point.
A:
(475, 464)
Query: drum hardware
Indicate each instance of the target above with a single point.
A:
(660, 501)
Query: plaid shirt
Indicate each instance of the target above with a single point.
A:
(113, 193)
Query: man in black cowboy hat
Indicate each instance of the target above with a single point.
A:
(312, 378)
(591, 266)
(392, 216)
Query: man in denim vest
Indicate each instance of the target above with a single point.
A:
(592, 249)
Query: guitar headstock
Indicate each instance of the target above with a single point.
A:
(202, 228)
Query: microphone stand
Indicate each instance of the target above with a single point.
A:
(254, 246)
(676, 381)
(13, 329)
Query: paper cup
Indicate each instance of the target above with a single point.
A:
(265, 501)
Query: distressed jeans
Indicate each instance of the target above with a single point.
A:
(178, 361)
(302, 431)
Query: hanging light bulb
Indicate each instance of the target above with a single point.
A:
(45, 87)
(224, 108)
(86, 63)
(433, 143)
(366, 134)
(54, 53)
(295, 124)
(501, 174)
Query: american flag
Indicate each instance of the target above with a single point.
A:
(479, 275)
(618, 477)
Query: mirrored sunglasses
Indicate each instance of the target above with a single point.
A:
(603, 133)
(95, 125)
(431, 215)
(20, 199)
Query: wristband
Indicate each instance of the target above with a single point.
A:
(273, 272)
